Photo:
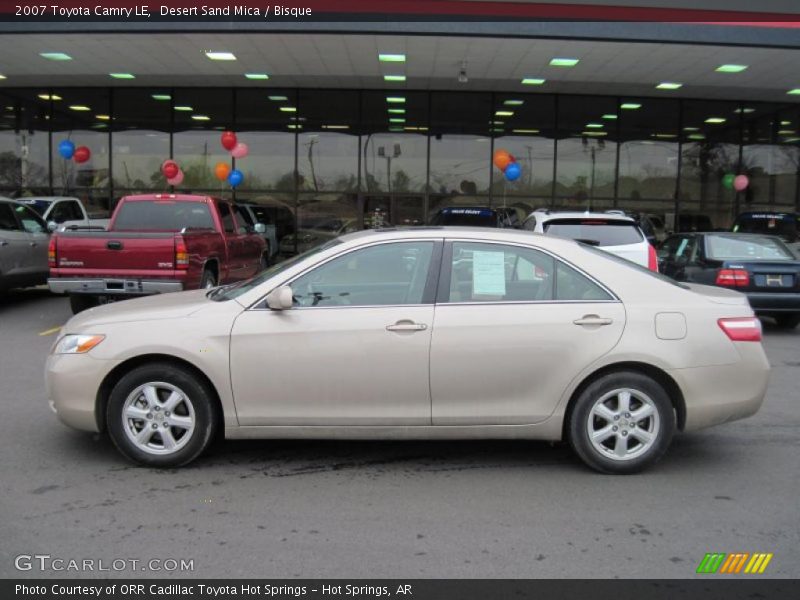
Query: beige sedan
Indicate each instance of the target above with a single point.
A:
(431, 333)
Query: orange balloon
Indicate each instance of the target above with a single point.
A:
(221, 171)
(502, 159)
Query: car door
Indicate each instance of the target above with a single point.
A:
(14, 245)
(35, 262)
(514, 325)
(233, 241)
(676, 255)
(354, 349)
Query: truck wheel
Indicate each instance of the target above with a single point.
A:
(81, 302)
(621, 423)
(209, 280)
(161, 415)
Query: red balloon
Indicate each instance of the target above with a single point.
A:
(228, 140)
(170, 169)
(82, 154)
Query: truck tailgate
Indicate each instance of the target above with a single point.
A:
(115, 252)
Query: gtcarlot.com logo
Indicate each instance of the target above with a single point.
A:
(734, 564)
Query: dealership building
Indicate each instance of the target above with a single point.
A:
(382, 112)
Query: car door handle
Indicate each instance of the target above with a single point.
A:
(593, 320)
(407, 326)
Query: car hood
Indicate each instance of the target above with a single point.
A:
(148, 308)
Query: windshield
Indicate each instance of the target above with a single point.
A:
(234, 290)
(40, 206)
(162, 215)
(756, 247)
(470, 217)
(595, 231)
(784, 225)
(632, 265)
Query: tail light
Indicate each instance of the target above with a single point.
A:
(181, 255)
(733, 277)
(652, 258)
(741, 329)
(51, 253)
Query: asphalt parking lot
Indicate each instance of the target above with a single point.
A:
(402, 510)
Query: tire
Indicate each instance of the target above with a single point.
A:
(789, 321)
(209, 280)
(156, 406)
(80, 302)
(600, 408)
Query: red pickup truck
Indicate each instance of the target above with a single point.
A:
(155, 243)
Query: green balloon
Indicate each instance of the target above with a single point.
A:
(727, 180)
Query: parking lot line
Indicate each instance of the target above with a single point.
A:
(50, 331)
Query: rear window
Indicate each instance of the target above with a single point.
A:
(784, 225)
(162, 215)
(720, 247)
(468, 217)
(596, 232)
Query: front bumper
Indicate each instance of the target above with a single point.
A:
(762, 302)
(113, 286)
(72, 382)
(719, 394)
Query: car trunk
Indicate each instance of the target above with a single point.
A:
(114, 253)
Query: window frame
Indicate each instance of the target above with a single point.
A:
(443, 291)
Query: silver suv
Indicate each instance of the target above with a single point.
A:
(23, 246)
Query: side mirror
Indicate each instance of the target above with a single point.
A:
(52, 226)
(260, 228)
(280, 298)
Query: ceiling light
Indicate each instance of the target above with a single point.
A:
(396, 129)
(397, 120)
(609, 116)
(504, 113)
(669, 85)
(594, 125)
(746, 111)
(664, 136)
(53, 97)
(3, 77)
(220, 55)
(514, 102)
(102, 117)
(55, 56)
(730, 68)
(697, 136)
(394, 77)
(594, 133)
(395, 99)
(691, 129)
(122, 75)
(336, 126)
(525, 130)
(290, 109)
(290, 126)
(258, 76)
(715, 120)
(278, 98)
(794, 92)
(630, 106)
(497, 122)
(184, 108)
(396, 111)
(533, 81)
(161, 97)
(784, 123)
(201, 118)
(392, 57)
(79, 107)
(564, 62)
(786, 132)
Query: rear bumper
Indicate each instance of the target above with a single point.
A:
(113, 286)
(774, 302)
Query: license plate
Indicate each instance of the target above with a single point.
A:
(774, 280)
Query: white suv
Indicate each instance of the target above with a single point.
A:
(611, 231)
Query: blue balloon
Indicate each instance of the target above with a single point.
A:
(235, 177)
(66, 149)
(513, 171)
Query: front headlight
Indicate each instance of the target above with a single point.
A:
(77, 344)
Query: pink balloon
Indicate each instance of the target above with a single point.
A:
(177, 180)
(240, 150)
(740, 183)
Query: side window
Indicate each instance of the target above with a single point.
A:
(386, 274)
(72, 210)
(573, 286)
(530, 223)
(482, 272)
(226, 217)
(31, 222)
(60, 213)
(244, 219)
(7, 220)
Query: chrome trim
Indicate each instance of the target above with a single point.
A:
(130, 287)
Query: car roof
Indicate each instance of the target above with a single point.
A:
(46, 198)
(548, 216)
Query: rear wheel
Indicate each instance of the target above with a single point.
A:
(622, 423)
(789, 321)
(161, 415)
(209, 280)
(81, 302)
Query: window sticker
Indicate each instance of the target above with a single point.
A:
(488, 273)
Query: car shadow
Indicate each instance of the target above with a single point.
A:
(12, 298)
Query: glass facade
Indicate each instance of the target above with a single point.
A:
(322, 162)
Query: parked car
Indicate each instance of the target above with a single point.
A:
(63, 211)
(480, 216)
(760, 266)
(252, 216)
(155, 243)
(377, 334)
(23, 246)
(315, 231)
(611, 231)
(786, 225)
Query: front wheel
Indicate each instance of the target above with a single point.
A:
(161, 415)
(621, 423)
(789, 321)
